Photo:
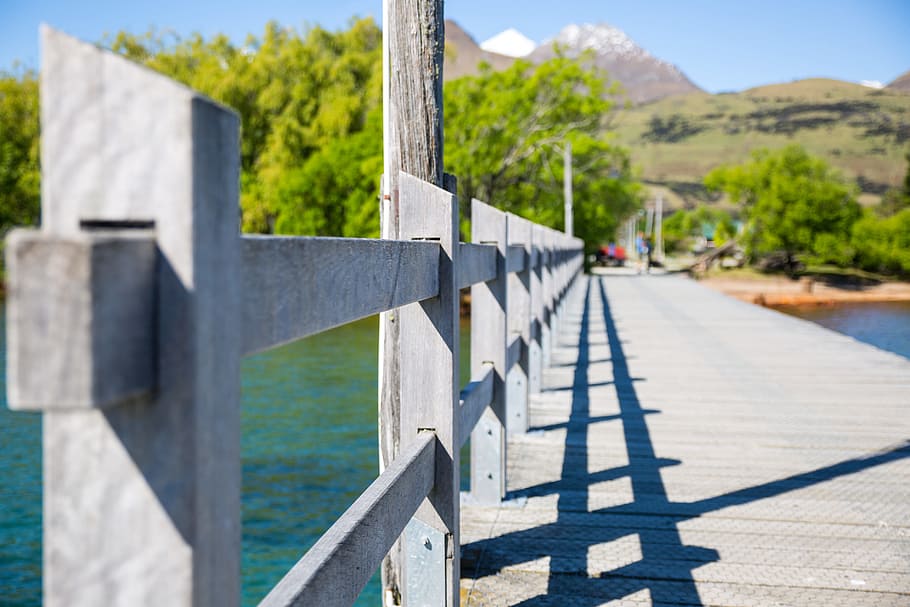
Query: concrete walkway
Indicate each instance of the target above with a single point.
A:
(690, 449)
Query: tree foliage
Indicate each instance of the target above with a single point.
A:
(883, 244)
(896, 199)
(311, 140)
(682, 229)
(302, 99)
(505, 133)
(19, 156)
(794, 203)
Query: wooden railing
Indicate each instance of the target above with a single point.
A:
(129, 310)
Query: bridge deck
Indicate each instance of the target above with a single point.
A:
(690, 449)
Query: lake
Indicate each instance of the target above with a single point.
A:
(309, 446)
(882, 324)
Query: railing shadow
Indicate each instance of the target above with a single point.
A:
(666, 566)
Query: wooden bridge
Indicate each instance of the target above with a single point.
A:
(690, 449)
(632, 439)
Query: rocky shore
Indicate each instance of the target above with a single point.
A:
(776, 291)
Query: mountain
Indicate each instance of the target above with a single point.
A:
(463, 54)
(864, 132)
(511, 43)
(901, 83)
(643, 76)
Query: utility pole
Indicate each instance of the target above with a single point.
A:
(658, 228)
(413, 45)
(567, 188)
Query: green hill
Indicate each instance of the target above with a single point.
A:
(862, 131)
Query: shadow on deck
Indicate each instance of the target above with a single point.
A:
(666, 566)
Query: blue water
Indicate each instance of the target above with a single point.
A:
(309, 448)
(882, 324)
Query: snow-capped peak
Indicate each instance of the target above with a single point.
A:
(872, 84)
(603, 38)
(510, 42)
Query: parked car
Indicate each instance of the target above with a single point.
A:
(611, 255)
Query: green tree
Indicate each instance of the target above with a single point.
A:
(883, 244)
(296, 95)
(794, 203)
(19, 153)
(896, 199)
(335, 192)
(683, 227)
(504, 136)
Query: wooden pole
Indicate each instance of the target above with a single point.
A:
(659, 223)
(413, 51)
(142, 499)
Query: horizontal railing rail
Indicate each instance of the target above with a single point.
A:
(338, 566)
(297, 286)
(516, 259)
(476, 263)
(475, 397)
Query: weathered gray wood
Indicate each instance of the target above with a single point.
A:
(546, 280)
(489, 332)
(81, 318)
(142, 501)
(520, 235)
(517, 256)
(294, 287)
(335, 570)
(693, 448)
(476, 263)
(413, 52)
(535, 351)
(429, 362)
(416, 52)
(475, 398)
(513, 352)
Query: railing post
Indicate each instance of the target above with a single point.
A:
(519, 317)
(535, 350)
(563, 274)
(546, 337)
(489, 343)
(430, 397)
(142, 498)
(557, 286)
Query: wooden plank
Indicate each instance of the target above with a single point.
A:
(489, 332)
(513, 352)
(429, 334)
(794, 469)
(142, 501)
(335, 570)
(298, 286)
(475, 398)
(516, 260)
(413, 46)
(476, 263)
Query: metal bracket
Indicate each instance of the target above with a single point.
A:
(425, 573)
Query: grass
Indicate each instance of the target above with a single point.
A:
(861, 131)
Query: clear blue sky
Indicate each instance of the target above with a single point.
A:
(720, 44)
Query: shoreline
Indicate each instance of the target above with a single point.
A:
(782, 291)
